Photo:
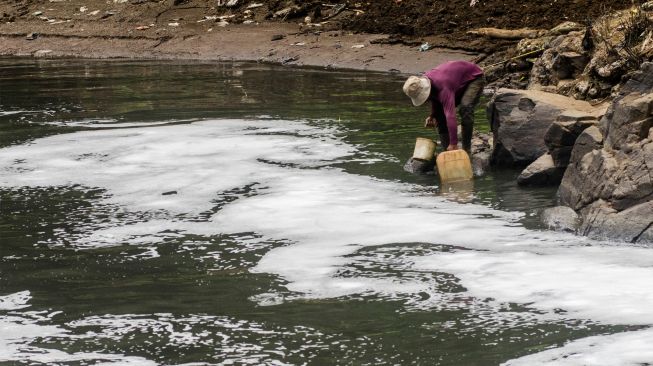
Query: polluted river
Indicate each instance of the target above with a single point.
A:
(166, 213)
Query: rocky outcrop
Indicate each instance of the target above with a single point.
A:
(520, 120)
(563, 60)
(562, 134)
(609, 180)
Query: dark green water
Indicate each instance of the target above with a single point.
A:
(193, 303)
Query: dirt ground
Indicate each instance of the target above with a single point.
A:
(381, 35)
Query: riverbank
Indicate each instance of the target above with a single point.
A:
(282, 43)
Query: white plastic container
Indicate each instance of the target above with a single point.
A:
(424, 149)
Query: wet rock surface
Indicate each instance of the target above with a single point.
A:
(419, 166)
(542, 172)
(520, 120)
(561, 218)
(609, 180)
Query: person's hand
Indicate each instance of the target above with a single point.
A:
(452, 147)
(430, 122)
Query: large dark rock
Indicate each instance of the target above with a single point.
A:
(542, 172)
(521, 118)
(562, 134)
(589, 140)
(419, 166)
(609, 180)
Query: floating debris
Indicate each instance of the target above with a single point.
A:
(254, 5)
(358, 46)
(37, 13)
(173, 24)
(83, 9)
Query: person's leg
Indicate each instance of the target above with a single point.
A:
(466, 108)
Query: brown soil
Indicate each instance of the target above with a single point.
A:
(190, 29)
(454, 17)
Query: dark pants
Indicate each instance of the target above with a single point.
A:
(466, 108)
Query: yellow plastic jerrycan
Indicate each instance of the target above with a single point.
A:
(454, 166)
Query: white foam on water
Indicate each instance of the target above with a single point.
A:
(17, 332)
(15, 301)
(327, 215)
(623, 349)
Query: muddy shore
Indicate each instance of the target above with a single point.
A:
(237, 42)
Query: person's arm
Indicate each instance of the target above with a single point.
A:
(448, 101)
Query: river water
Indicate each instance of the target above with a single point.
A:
(160, 213)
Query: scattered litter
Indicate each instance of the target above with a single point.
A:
(285, 12)
(298, 44)
(83, 9)
(222, 23)
(232, 3)
(37, 13)
(174, 24)
(358, 46)
(425, 47)
(208, 17)
(254, 5)
(108, 14)
(248, 21)
(94, 12)
(119, 1)
(277, 37)
(168, 193)
(337, 9)
(307, 20)
(41, 53)
(287, 60)
(54, 21)
(210, 30)
(32, 36)
(143, 27)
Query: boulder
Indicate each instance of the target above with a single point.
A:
(629, 120)
(520, 119)
(589, 140)
(542, 172)
(481, 153)
(419, 166)
(562, 134)
(561, 218)
(609, 180)
(633, 225)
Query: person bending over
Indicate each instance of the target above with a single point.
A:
(450, 85)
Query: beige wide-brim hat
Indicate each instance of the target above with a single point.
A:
(418, 88)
